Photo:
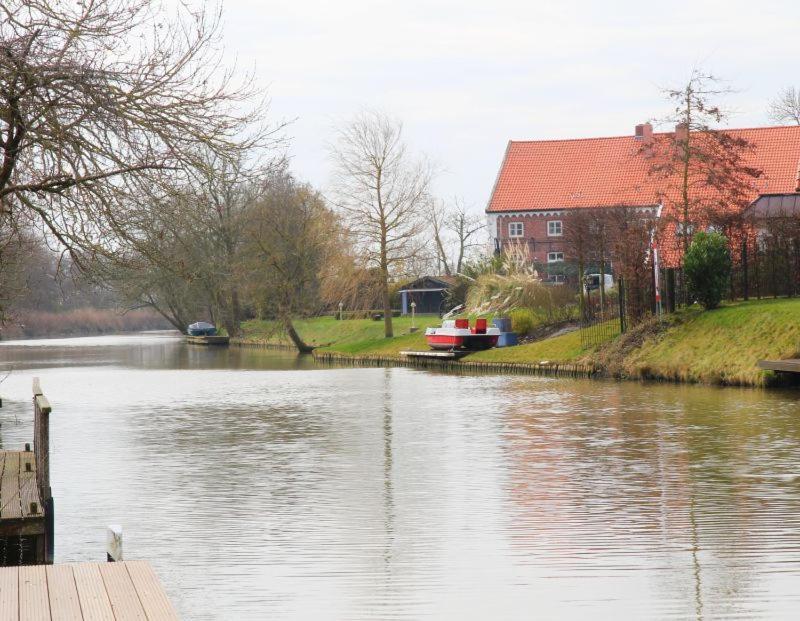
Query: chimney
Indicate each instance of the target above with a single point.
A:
(644, 132)
(681, 132)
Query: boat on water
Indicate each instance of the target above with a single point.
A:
(204, 333)
(202, 328)
(456, 334)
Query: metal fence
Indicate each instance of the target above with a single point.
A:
(602, 314)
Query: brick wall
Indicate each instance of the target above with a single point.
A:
(535, 234)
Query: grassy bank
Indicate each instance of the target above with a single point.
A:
(721, 346)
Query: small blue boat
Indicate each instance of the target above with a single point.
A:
(202, 328)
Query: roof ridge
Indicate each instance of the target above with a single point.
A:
(631, 136)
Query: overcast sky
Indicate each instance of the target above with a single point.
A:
(465, 77)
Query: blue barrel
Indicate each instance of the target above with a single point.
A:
(502, 323)
(507, 339)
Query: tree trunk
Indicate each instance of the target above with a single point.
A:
(388, 331)
(235, 313)
(297, 340)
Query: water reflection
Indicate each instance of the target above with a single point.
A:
(262, 486)
(664, 486)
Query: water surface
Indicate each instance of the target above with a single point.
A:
(262, 486)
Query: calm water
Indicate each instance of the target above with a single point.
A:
(261, 486)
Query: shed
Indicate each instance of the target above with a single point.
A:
(429, 293)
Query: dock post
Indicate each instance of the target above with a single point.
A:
(114, 543)
(50, 529)
(41, 448)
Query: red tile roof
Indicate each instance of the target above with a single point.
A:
(606, 172)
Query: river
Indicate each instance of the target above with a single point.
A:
(260, 485)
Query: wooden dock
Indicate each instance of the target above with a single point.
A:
(789, 365)
(83, 591)
(26, 502)
(208, 340)
(435, 354)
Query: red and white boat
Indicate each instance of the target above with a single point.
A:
(456, 334)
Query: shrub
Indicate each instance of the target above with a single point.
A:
(523, 321)
(707, 266)
(498, 294)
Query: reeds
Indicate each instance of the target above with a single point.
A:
(81, 322)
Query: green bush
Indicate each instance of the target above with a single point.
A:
(707, 266)
(523, 321)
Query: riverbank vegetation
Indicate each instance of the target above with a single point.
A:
(82, 322)
(720, 346)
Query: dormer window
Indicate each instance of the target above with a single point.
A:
(516, 229)
(555, 228)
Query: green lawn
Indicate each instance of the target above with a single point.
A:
(365, 337)
(350, 336)
(721, 346)
(564, 348)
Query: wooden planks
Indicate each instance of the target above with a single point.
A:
(34, 602)
(83, 592)
(63, 593)
(208, 340)
(122, 593)
(10, 507)
(790, 365)
(95, 604)
(156, 605)
(19, 493)
(9, 594)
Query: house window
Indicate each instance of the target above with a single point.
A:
(555, 257)
(554, 228)
(516, 229)
(684, 229)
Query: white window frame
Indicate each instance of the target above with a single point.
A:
(512, 226)
(556, 255)
(551, 226)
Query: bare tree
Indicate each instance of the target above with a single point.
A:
(437, 211)
(706, 174)
(187, 240)
(785, 107)
(102, 99)
(383, 192)
(455, 232)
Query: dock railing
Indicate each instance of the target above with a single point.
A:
(41, 448)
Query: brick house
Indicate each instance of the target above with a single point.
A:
(540, 182)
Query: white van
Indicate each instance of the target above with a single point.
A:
(592, 282)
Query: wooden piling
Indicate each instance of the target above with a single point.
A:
(114, 543)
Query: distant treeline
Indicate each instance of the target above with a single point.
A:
(82, 322)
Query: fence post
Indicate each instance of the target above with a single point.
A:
(622, 323)
(670, 289)
(745, 275)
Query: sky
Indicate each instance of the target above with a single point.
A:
(465, 77)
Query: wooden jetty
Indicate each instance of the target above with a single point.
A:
(208, 340)
(26, 501)
(436, 354)
(83, 591)
(789, 365)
